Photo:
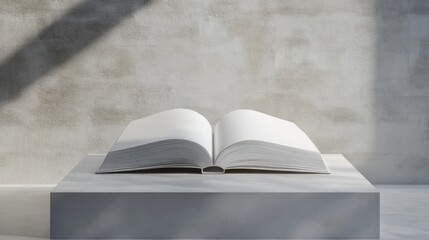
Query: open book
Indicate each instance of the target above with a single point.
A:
(241, 140)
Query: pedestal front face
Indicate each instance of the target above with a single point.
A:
(319, 206)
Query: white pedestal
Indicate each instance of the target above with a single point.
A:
(235, 206)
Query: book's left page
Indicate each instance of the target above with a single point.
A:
(177, 138)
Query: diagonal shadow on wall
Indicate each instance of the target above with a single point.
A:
(60, 41)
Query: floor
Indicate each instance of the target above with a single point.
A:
(24, 211)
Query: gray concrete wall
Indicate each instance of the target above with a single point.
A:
(354, 75)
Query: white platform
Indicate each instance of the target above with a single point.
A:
(24, 211)
(339, 205)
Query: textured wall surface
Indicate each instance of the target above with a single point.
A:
(354, 75)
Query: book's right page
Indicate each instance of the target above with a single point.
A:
(250, 139)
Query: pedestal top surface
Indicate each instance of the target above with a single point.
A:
(343, 178)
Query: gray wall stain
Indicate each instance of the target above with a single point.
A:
(352, 74)
(401, 100)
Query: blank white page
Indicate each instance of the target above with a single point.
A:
(243, 125)
(171, 124)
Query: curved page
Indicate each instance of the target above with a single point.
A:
(173, 154)
(245, 125)
(181, 124)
